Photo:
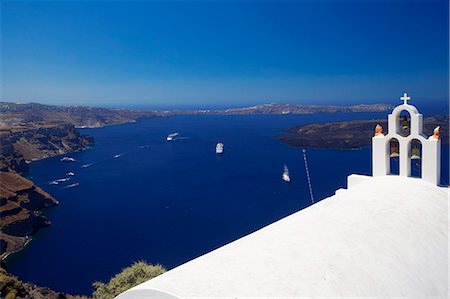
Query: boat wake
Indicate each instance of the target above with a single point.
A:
(285, 176)
(58, 181)
(115, 156)
(71, 185)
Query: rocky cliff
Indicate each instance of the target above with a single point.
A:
(16, 114)
(23, 143)
(20, 203)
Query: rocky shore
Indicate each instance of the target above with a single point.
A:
(21, 201)
(350, 135)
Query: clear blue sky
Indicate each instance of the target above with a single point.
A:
(224, 53)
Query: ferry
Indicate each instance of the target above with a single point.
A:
(219, 148)
(171, 136)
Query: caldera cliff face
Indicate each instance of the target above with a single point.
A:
(21, 201)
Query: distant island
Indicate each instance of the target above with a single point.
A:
(351, 134)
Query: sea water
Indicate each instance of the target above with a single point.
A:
(142, 198)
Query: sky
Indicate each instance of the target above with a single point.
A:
(224, 53)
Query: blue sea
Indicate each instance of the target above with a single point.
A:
(142, 198)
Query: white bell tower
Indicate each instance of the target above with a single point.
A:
(405, 145)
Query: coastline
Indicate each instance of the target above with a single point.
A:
(5, 256)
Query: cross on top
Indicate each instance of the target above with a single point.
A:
(405, 98)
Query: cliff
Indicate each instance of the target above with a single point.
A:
(22, 143)
(353, 134)
(17, 114)
(20, 203)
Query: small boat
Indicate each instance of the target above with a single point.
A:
(71, 173)
(285, 175)
(219, 148)
(53, 183)
(67, 159)
(171, 136)
(86, 165)
(117, 156)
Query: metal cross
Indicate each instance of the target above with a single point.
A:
(405, 98)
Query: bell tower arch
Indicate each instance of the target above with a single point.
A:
(430, 153)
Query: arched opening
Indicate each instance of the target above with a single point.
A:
(394, 157)
(404, 123)
(415, 155)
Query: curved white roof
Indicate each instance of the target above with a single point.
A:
(384, 237)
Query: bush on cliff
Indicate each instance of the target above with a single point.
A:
(10, 286)
(13, 288)
(126, 279)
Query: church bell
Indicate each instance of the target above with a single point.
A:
(405, 123)
(394, 149)
(415, 151)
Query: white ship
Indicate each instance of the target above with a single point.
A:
(219, 148)
(67, 159)
(171, 136)
(285, 175)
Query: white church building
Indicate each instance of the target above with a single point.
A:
(385, 236)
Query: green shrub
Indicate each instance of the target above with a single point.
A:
(10, 286)
(126, 279)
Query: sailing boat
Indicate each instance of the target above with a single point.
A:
(285, 175)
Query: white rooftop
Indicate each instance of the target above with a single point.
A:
(385, 236)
